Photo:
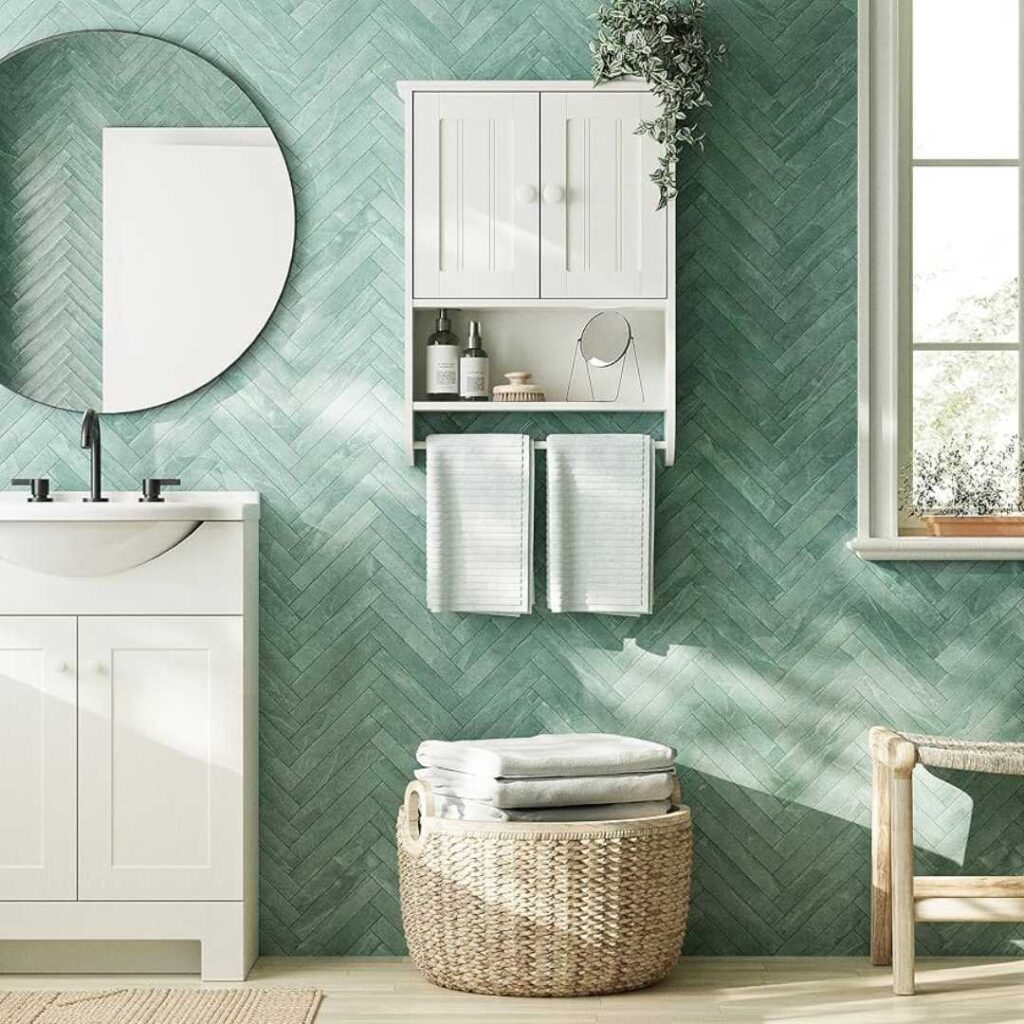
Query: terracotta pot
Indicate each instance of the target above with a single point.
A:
(974, 526)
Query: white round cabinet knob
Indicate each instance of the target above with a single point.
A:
(94, 666)
(63, 667)
(526, 194)
(553, 193)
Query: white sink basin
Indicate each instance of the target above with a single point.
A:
(72, 537)
(89, 548)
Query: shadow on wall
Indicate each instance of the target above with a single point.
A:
(993, 845)
(761, 860)
(775, 686)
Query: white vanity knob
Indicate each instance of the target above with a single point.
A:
(526, 193)
(63, 667)
(94, 666)
(553, 193)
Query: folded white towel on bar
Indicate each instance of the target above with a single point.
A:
(480, 523)
(562, 792)
(472, 810)
(547, 755)
(601, 523)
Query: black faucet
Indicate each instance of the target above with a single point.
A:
(91, 440)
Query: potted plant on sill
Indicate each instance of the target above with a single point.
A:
(967, 487)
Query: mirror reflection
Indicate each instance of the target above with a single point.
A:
(146, 221)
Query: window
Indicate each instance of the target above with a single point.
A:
(940, 251)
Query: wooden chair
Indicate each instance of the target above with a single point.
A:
(899, 898)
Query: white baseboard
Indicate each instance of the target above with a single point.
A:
(227, 930)
(136, 957)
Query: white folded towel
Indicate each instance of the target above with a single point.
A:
(480, 523)
(601, 523)
(472, 810)
(547, 755)
(519, 793)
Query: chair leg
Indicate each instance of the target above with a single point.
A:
(902, 817)
(881, 865)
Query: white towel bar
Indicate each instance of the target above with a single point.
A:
(538, 446)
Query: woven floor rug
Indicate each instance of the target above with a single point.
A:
(162, 1006)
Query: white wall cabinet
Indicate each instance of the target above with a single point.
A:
(476, 220)
(129, 743)
(529, 207)
(602, 234)
(534, 195)
(38, 769)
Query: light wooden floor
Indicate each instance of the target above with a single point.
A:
(702, 991)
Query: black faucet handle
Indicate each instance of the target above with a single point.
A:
(151, 487)
(39, 484)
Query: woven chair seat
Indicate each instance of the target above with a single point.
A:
(969, 755)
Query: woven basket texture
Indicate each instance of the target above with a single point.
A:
(527, 910)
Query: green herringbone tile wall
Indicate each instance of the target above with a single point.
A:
(772, 649)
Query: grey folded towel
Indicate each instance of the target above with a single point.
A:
(473, 810)
(547, 755)
(555, 792)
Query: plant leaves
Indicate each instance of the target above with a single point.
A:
(661, 41)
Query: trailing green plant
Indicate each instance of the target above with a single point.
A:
(661, 41)
(965, 476)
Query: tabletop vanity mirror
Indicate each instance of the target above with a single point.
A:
(147, 221)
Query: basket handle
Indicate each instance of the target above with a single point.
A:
(418, 798)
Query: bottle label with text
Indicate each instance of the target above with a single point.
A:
(474, 378)
(442, 370)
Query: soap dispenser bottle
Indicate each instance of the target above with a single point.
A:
(474, 368)
(443, 361)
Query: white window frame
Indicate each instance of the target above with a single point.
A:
(883, 305)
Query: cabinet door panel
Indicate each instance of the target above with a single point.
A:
(475, 204)
(37, 758)
(160, 728)
(602, 235)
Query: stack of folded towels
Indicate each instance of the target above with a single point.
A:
(572, 777)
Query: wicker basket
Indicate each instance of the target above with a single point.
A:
(526, 909)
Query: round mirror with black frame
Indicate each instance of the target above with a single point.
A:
(147, 221)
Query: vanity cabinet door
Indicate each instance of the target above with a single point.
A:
(475, 217)
(37, 758)
(160, 811)
(602, 235)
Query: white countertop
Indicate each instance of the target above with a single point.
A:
(122, 506)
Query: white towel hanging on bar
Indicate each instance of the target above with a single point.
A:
(480, 523)
(601, 523)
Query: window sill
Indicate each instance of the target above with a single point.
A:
(938, 549)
